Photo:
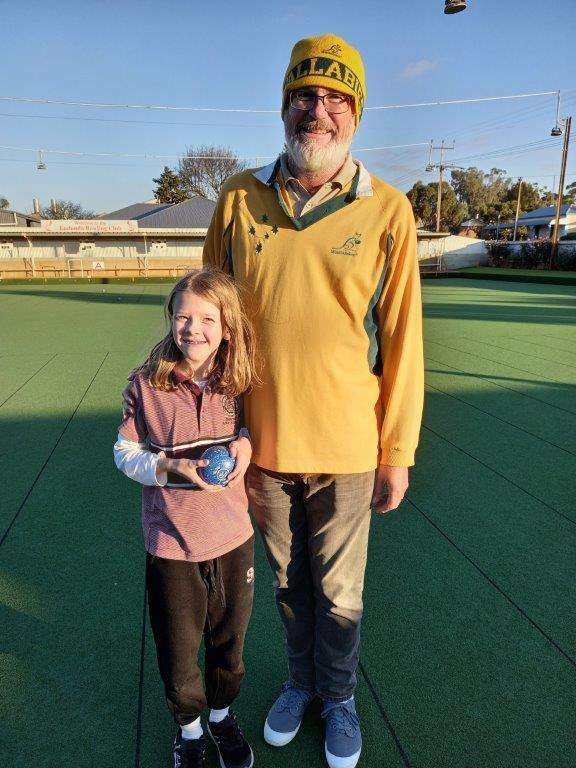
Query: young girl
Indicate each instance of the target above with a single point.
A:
(199, 539)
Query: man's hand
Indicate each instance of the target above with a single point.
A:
(241, 451)
(390, 485)
(187, 468)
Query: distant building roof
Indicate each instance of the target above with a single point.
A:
(10, 218)
(546, 216)
(195, 213)
(135, 211)
(549, 211)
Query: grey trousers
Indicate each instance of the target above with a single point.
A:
(315, 532)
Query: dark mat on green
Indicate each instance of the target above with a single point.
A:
(543, 470)
(266, 670)
(71, 603)
(460, 671)
(510, 406)
(466, 680)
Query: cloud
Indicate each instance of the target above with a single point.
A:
(418, 68)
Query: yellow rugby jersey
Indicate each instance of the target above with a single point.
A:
(335, 299)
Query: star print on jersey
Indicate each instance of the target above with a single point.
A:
(260, 237)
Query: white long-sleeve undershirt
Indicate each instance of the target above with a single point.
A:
(138, 463)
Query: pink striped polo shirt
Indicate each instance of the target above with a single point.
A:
(181, 521)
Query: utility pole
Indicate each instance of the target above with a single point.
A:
(556, 232)
(441, 168)
(517, 208)
(440, 173)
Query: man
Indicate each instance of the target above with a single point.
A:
(326, 256)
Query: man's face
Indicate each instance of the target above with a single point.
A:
(316, 138)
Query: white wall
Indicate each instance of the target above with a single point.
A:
(456, 251)
(105, 248)
(462, 252)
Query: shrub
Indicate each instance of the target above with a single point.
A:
(498, 253)
(566, 258)
(535, 253)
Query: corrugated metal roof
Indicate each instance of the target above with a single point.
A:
(540, 221)
(135, 211)
(549, 211)
(193, 213)
(141, 233)
(15, 219)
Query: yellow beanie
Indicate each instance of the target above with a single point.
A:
(327, 61)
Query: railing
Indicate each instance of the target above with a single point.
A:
(91, 268)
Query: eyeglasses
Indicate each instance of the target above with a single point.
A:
(334, 103)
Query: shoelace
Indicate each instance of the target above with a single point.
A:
(232, 737)
(341, 719)
(292, 699)
(180, 760)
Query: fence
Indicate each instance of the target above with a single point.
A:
(73, 259)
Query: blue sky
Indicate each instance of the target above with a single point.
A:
(230, 54)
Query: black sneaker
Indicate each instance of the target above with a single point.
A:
(233, 749)
(189, 753)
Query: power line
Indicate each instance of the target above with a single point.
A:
(512, 151)
(147, 156)
(250, 110)
(136, 122)
(443, 102)
(492, 122)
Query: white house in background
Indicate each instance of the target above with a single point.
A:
(540, 222)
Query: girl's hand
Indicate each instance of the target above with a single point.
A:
(188, 468)
(241, 451)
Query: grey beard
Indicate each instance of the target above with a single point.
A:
(305, 156)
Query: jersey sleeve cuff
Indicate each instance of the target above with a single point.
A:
(396, 457)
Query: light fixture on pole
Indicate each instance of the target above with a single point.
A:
(40, 165)
(454, 6)
(556, 231)
(557, 130)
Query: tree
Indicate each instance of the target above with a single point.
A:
(65, 209)
(569, 195)
(548, 198)
(168, 189)
(531, 196)
(471, 187)
(4, 203)
(203, 170)
(423, 198)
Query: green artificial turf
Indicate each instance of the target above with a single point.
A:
(550, 276)
(468, 655)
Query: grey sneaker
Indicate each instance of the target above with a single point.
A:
(286, 715)
(343, 738)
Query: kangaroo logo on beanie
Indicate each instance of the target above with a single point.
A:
(334, 50)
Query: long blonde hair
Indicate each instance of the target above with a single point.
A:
(234, 369)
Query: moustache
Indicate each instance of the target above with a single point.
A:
(314, 125)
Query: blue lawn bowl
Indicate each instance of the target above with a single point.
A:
(220, 466)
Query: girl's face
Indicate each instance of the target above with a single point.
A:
(197, 329)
